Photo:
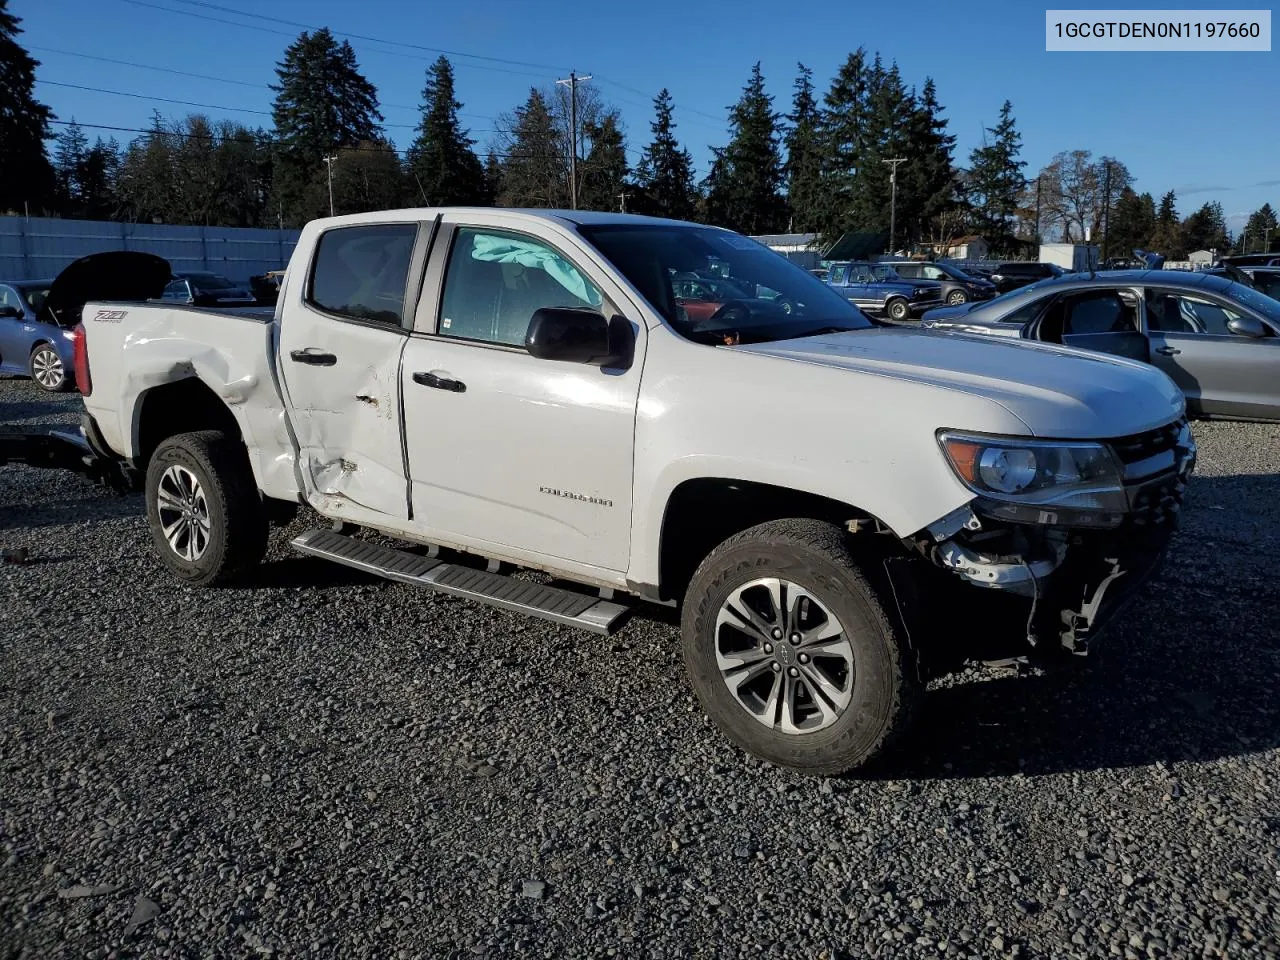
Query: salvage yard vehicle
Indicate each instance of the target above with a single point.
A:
(1217, 338)
(30, 344)
(877, 288)
(494, 388)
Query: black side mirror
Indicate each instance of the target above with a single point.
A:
(1250, 327)
(579, 336)
(8, 310)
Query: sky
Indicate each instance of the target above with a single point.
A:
(1205, 125)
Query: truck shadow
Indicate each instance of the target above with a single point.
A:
(1186, 673)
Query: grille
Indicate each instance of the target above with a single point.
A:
(1142, 446)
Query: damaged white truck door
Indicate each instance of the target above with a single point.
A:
(342, 334)
(505, 448)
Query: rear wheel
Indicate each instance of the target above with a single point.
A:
(47, 370)
(207, 520)
(898, 309)
(792, 653)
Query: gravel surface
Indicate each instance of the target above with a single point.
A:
(330, 765)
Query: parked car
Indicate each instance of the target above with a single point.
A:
(37, 316)
(202, 289)
(1253, 260)
(266, 287)
(715, 299)
(877, 288)
(1019, 273)
(522, 387)
(957, 286)
(1263, 279)
(1219, 340)
(29, 344)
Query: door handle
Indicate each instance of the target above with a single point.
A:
(313, 357)
(439, 383)
(1168, 351)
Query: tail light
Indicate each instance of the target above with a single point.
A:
(80, 352)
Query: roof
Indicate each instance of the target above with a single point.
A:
(969, 238)
(1178, 279)
(577, 217)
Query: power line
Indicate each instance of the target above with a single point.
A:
(205, 76)
(286, 33)
(357, 36)
(211, 106)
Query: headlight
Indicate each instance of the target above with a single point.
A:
(1039, 481)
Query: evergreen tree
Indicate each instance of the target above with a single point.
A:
(1167, 237)
(145, 184)
(69, 153)
(534, 172)
(322, 103)
(368, 176)
(745, 192)
(1133, 222)
(888, 110)
(927, 181)
(98, 178)
(26, 177)
(1260, 234)
(441, 158)
(842, 134)
(492, 177)
(666, 170)
(1206, 229)
(604, 169)
(995, 178)
(804, 156)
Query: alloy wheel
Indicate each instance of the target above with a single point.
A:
(784, 656)
(184, 513)
(47, 369)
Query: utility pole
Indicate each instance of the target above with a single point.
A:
(893, 198)
(572, 83)
(622, 201)
(328, 161)
(1106, 206)
(1037, 216)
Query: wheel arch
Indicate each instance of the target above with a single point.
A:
(702, 512)
(179, 406)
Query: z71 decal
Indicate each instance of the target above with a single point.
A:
(110, 316)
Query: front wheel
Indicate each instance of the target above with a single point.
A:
(957, 297)
(47, 370)
(791, 652)
(207, 520)
(898, 310)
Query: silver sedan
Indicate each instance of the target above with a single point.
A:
(1217, 339)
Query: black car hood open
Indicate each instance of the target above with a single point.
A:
(114, 275)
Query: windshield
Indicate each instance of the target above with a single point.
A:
(717, 287)
(1255, 300)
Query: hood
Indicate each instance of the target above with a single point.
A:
(1056, 391)
(949, 313)
(115, 275)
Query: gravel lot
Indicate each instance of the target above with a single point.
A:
(329, 765)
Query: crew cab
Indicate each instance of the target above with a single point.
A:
(824, 499)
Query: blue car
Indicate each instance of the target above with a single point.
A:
(877, 288)
(31, 342)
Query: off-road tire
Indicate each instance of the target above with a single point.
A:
(237, 518)
(897, 309)
(817, 557)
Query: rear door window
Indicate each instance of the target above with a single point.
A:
(361, 273)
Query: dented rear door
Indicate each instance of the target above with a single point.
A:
(340, 347)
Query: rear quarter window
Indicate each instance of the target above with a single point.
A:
(360, 273)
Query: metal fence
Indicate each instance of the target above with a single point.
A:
(34, 248)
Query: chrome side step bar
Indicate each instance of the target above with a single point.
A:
(520, 596)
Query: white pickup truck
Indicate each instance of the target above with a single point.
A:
(838, 507)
